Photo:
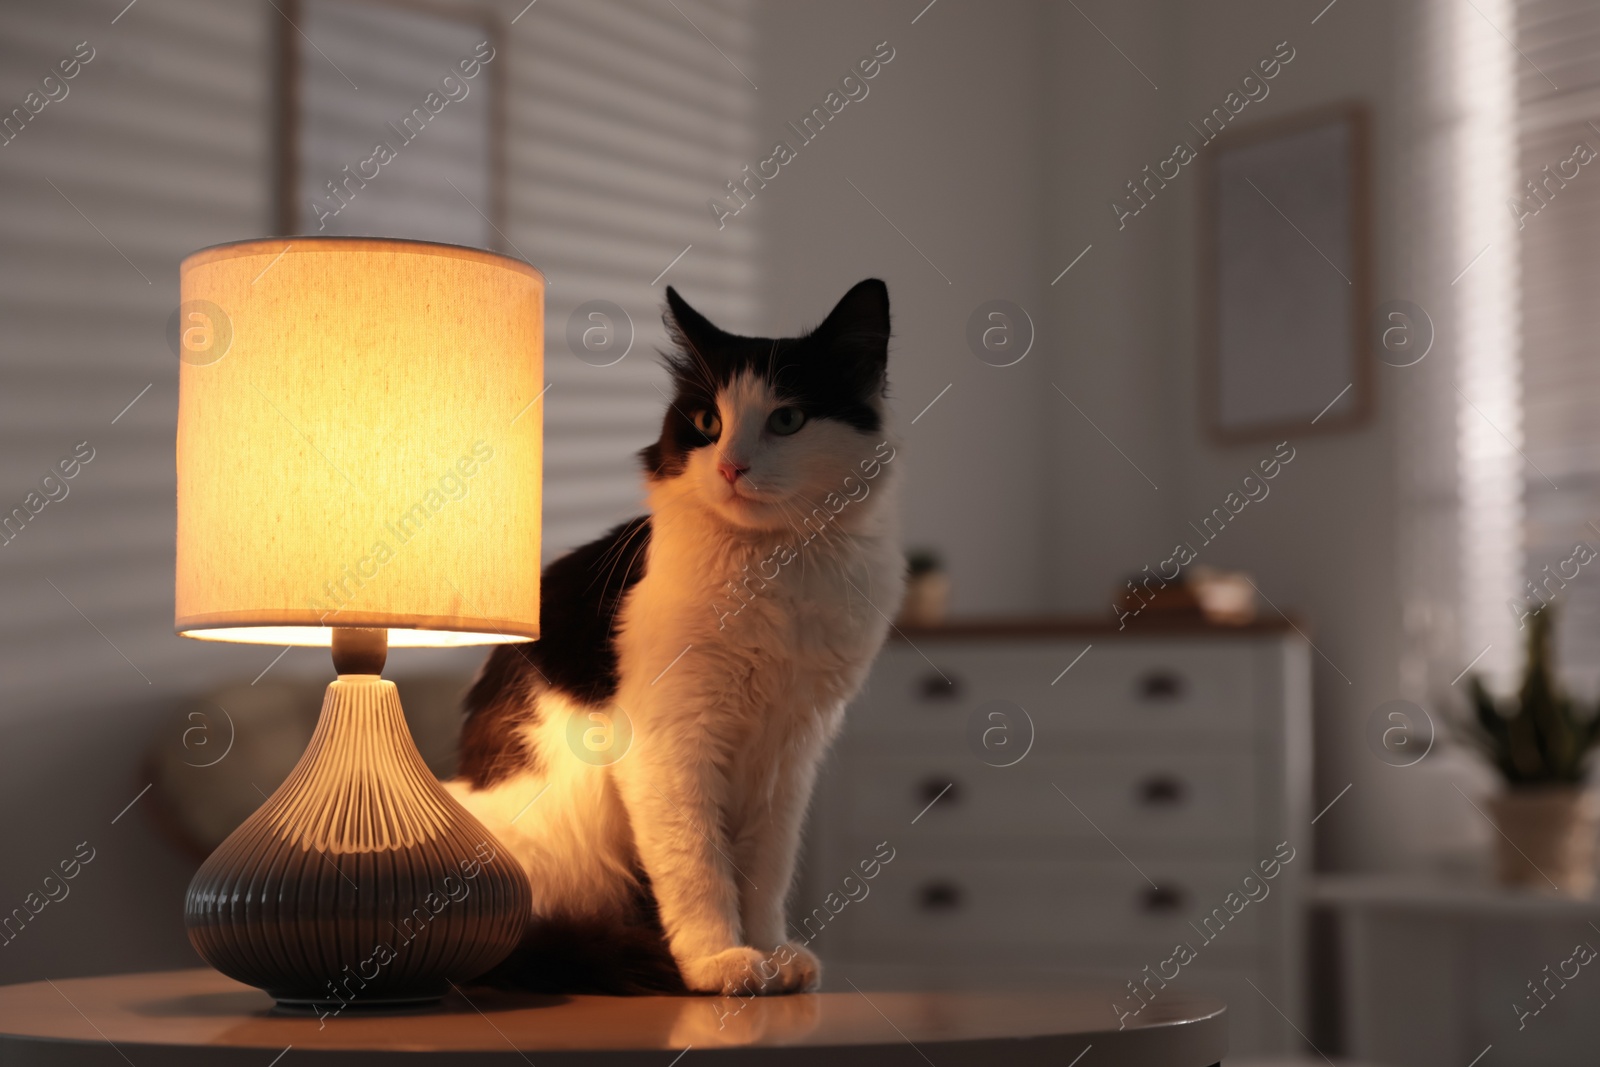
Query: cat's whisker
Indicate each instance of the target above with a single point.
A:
(644, 546)
(608, 561)
(616, 551)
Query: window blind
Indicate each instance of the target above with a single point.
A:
(158, 147)
(622, 120)
(1461, 438)
(1557, 201)
(1501, 463)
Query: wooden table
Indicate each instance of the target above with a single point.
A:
(184, 1018)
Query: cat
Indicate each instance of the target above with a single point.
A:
(649, 760)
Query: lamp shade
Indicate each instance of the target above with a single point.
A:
(358, 442)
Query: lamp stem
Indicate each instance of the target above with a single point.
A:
(359, 650)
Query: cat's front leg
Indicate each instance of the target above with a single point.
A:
(673, 795)
(767, 844)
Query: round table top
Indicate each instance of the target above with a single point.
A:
(200, 1016)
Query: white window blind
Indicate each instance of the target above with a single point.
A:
(622, 120)
(1460, 440)
(1558, 195)
(1486, 335)
(159, 147)
(1501, 442)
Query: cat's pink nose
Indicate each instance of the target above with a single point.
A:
(731, 469)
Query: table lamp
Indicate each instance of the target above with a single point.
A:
(359, 464)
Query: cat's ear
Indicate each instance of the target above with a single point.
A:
(857, 329)
(689, 328)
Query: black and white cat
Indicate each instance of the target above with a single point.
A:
(726, 630)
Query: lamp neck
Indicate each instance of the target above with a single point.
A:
(359, 650)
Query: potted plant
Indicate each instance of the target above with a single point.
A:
(1539, 743)
(927, 589)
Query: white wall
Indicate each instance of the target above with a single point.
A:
(996, 141)
(947, 144)
(1323, 546)
(1111, 318)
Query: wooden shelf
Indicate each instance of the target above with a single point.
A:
(1438, 896)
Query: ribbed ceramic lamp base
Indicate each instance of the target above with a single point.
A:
(360, 882)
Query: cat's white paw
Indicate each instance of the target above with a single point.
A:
(729, 972)
(805, 968)
(799, 970)
(746, 971)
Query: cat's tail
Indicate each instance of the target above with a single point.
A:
(590, 954)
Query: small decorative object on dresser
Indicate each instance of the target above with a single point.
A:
(1540, 745)
(1227, 598)
(1074, 805)
(927, 589)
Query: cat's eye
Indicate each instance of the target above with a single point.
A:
(708, 423)
(785, 421)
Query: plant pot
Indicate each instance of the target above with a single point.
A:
(1547, 835)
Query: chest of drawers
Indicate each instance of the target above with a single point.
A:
(1066, 805)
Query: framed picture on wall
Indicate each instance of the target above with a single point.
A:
(390, 117)
(1285, 277)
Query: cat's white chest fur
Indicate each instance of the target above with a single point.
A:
(774, 624)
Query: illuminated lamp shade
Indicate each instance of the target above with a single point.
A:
(359, 463)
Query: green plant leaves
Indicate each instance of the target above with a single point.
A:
(1539, 737)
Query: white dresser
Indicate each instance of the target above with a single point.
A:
(1165, 766)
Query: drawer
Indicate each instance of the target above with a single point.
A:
(1148, 801)
(957, 904)
(1203, 685)
(906, 692)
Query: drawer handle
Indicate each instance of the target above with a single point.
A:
(945, 790)
(1161, 685)
(938, 687)
(1160, 790)
(1159, 900)
(940, 896)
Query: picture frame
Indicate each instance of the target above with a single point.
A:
(1285, 251)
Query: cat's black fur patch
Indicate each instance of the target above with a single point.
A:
(579, 597)
(611, 956)
(837, 371)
